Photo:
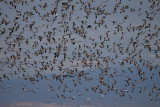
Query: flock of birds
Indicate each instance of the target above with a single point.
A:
(113, 42)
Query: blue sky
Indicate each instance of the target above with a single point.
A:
(108, 45)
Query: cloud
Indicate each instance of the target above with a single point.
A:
(36, 104)
(29, 104)
(39, 104)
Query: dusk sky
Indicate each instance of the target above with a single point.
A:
(79, 53)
